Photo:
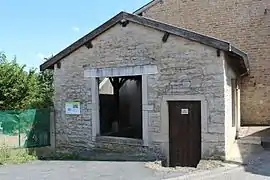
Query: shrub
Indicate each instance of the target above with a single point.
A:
(10, 155)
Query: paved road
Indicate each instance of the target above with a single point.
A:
(78, 170)
(101, 170)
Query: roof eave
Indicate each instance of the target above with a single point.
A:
(187, 34)
(79, 43)
(243, 57)
(147, 6)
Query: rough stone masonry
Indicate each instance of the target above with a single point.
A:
(246, 24)
(185, 68)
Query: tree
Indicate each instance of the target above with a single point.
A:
(45, 89)
(2, 58)
(21, 89)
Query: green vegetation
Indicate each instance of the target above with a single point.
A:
(21, 89)
(24, 95)
(14, 156)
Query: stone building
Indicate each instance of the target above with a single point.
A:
(244, 23)
(185, 93)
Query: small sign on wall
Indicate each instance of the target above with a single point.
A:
(184, 111)
(73, 108)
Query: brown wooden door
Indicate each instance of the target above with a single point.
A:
(185, 133)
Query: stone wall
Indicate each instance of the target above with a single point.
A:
(73, 132)
(245, 23)
(185, 68)
(189, 69)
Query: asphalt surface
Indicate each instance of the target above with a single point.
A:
(78, 170)
(100, 170)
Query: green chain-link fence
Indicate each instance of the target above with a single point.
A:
(25, 128)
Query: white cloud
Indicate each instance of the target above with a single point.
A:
(75, 29)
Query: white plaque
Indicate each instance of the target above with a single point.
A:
(184, 111)
(73, 108)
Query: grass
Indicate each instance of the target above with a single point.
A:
(15, 156)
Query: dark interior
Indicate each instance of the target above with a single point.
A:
(121, 110)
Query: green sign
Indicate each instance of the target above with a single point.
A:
(73, 108)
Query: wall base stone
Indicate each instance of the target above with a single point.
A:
(135, 147)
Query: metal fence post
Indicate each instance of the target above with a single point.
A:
(19, 121)
(52, 129)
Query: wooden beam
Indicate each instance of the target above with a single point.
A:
(124, 23)
(165, 37)
(218, 52)
(112, 81)
(122, 82)
(89, 44)
(58, 65)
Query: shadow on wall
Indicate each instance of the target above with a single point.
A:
(103, 155)
(252, 149)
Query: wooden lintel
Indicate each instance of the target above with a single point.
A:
(165, 37)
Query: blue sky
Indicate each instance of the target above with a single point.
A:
(32, 29)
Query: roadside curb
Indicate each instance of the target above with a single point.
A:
(208, 173)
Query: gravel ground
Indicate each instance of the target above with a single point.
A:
(203, 166)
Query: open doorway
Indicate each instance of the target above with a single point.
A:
(120, 106)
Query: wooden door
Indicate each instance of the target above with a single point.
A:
(185, 133)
